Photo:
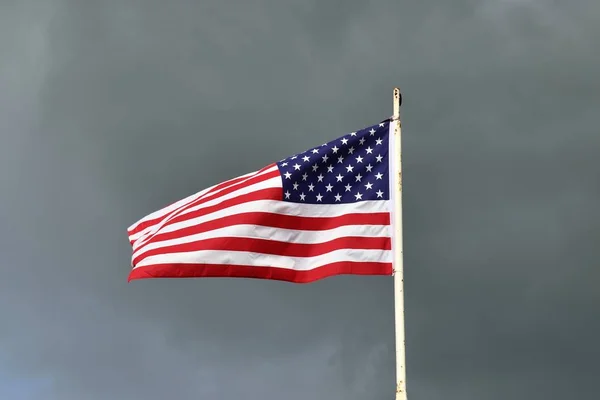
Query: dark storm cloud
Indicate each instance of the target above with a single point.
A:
(111, 110)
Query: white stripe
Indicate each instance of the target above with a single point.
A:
(164, 211)
(269, 183)
(275, 234)
(282, 208)
(268, 260)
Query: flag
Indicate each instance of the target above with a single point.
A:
(323, 212)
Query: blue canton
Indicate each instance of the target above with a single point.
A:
(352, 168)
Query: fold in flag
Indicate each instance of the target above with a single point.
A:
(319, 213)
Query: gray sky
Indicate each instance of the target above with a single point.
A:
(110, 111)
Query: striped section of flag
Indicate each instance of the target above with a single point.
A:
(319, 213)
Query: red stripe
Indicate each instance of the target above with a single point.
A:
(236, 180)
(244, 271)
(231, 186)
(277, 221)
(267, 246)
(264, 194)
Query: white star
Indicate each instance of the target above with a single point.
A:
(329, 187)
(379, 193)
(302, 196)
(362, 140)
(339, 177)
(315, 167)
(315, 151)
(295, 185)
(381, 125)
(344, 141)
(379, 158)
(335, 149)
(319, 197)
(351, 150)
(353, 134)
(287, 194)
(284, 164)
(325, 158)
(369, 168)
(320, 178)
(338, 197)
(369, 150)
(311, 187)
(349, 168)
(297, 166)
(379, 175)
(369, 185)
(330, 168)
(306, 158)
(379, 141)
(358, 177)
(304, 176)
(358, 196)
(348, 187)
(340, 159)
(359, 159)
(293, 158)
(287, 175)
(372, 132)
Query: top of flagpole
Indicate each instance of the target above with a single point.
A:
(397, 103)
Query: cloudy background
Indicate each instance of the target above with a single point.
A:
(112, 109)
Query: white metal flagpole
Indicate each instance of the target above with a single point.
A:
(398, 261)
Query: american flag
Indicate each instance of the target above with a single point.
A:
(322, 212)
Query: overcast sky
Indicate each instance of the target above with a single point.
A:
(112, 109)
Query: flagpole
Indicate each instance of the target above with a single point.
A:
(398, 261)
